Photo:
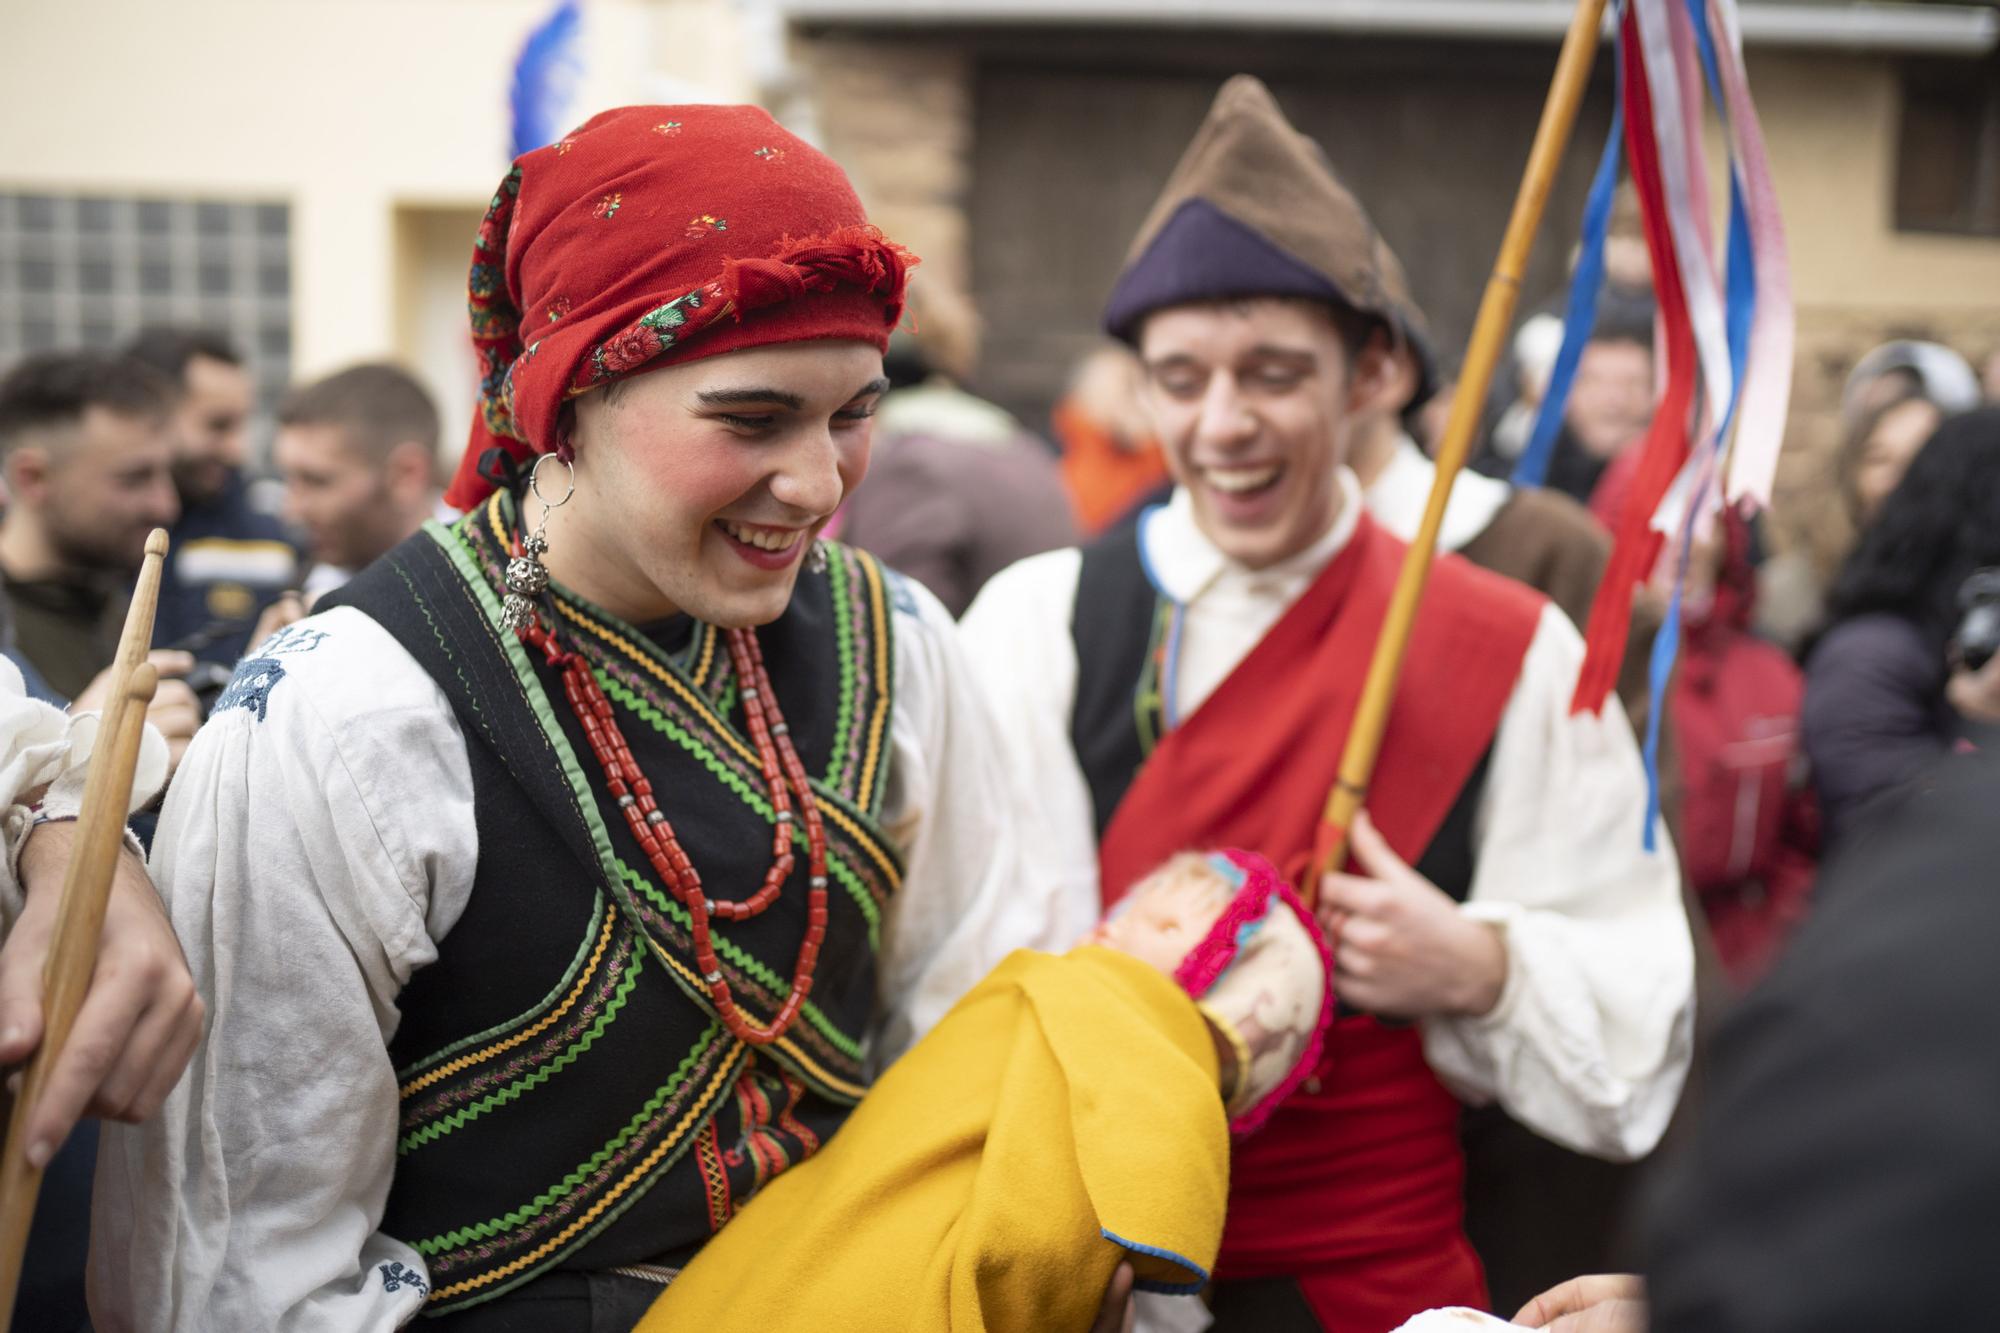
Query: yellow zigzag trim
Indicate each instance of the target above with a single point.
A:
(467, 1061)
(726, 1073)
(876, 602)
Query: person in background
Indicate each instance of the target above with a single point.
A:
(86, 444)
(357, 451)
(1886, 695)
(1891, 410)
(1111, 462)
(229, 561)
(1535, 349)
(1877, 451)
(1609, 407)
(1749, 827)
(957, 490)
(1907, 366)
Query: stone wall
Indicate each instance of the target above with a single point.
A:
(898, 116)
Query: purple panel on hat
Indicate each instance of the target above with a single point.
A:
(1203, 254)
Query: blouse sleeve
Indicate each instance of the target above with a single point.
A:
(1590, 1040)
(979, 880)
(317, 839)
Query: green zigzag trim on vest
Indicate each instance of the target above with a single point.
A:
(765, 977)
(542, 1006)
(843, 638)
(499, 1225)
(531, 689)
(535, 1078)
(884, 581)
(749, 795)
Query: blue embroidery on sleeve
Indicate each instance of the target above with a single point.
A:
(292, 640)
(250, 688)
(395, 1277)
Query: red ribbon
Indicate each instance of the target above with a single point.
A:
(1665, 446)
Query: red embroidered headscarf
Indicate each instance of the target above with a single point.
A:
(656, 234)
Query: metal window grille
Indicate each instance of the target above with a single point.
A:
(90, 271)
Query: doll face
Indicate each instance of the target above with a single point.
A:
(1168, 913)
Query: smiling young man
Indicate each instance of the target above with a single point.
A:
(566, 881)
(1187, 682)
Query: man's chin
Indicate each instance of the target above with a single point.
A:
(200, 484)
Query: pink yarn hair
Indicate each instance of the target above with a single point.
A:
(1208, 960)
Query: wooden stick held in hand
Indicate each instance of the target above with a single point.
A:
(107, 795)
(1489, 337)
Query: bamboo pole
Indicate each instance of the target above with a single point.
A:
(1489, 336)
(107, 795)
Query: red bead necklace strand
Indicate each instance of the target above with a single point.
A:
(784, 777)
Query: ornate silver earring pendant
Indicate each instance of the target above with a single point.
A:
(527, 578)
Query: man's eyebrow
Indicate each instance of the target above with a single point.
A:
(744, 397)
(880, 384)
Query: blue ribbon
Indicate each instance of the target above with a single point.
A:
(1581, 316)
(1740, 308)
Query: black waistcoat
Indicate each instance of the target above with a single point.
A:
(1120, 628)
(568, 1096)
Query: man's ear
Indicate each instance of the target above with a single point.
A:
(1384, 375)
(27, 470)
(410, 469)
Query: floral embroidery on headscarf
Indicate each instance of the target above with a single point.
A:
(557, 308)
(668, 128)
(564, 145)
(607, 207)
(706, 223)
(770, 154)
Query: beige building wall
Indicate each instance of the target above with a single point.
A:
(1831, 124)
(382, 123)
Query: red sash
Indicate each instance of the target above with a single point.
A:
(1355, 1185)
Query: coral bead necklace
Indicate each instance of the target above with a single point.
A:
(784, 778)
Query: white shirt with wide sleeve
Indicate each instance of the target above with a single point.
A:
(317, 845)
(1590, 1039)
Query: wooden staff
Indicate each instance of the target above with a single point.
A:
(107, 795)
(1489, 335)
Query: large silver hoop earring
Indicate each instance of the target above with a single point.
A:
(527, 578)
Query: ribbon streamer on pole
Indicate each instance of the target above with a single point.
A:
(1489, 335)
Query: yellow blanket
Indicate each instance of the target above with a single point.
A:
(1063, 1116)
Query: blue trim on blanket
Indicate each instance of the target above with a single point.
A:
(1160, 1288)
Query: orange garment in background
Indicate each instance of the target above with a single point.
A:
(1105, 477)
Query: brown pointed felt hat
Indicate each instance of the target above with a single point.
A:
(1255, 209)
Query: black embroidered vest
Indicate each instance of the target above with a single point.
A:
(569, 1098)
(1121, 630)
